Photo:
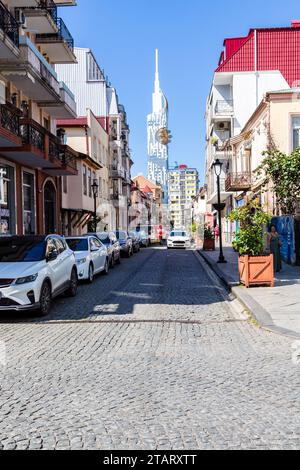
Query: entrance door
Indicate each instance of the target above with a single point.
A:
(49, 208)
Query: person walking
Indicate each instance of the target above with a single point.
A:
(217, 233)
(274, 247)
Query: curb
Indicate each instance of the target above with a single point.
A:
(260, 315)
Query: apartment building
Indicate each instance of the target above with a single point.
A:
(183, 188)
(92, 90)
(89, 138)
(265, 60)
(153, 198)
(33, 38)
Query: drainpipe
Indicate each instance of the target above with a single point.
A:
(256, 66)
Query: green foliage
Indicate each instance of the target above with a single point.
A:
(284, 172)
(250, 239)
(193, 228)
(208, 233)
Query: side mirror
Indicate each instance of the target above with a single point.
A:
(53, 255)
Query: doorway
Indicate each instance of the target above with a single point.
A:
(49, 208)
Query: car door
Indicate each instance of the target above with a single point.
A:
(102, 252)
(54, 265)
(96, 255)
(66, 262)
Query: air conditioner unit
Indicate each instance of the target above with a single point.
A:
(20, 18)
(223, 126)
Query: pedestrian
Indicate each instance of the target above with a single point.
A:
(275, 244)
(160, 234)
(217, 233)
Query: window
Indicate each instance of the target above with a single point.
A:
(90, 182)
(84, 181)
(7, 200)
(94, 73)
(28, 204)
(296, 132)
(61, 247)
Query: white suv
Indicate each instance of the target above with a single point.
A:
(34, 270)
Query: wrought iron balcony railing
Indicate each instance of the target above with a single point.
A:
(62, 153)
(9, 25)
(33, 133)
(238, 181)
(63, 34)
(10, 118)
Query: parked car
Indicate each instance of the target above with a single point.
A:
(34, 270)
(91, 256)
(112, 245)
(144, 239)
(125, 243)
(179, 239)
(135, 242)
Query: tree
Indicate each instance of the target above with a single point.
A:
(284, 172)
(252, 219)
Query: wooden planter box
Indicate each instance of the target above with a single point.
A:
(209, 245)
(256, 270)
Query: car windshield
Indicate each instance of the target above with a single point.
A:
(178, 234)
(104, 237)
(22, 250)
(121, 235)
(78, 244)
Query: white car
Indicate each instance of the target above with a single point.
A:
(179, 239)
(91, 256)
(34, 270)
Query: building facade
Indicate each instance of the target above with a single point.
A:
(93, 92)
(152, 200)
(183, 188)
(158, 153)
(33, 38)
(265, 60)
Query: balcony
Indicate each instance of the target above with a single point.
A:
(59, 46)
(41, 16)
(65, 108)
(9, 34)
(32, 74)
(116, 172)
(238, 181)
(223, 110)
(224, 193)
(42, 150)
(10, 126)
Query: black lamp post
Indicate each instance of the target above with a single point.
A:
(95, 189)
(219, 207)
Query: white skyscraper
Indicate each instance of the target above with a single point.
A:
(158, 158)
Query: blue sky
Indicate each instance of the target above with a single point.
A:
(189, 35)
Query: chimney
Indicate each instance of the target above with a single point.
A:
(296, 24)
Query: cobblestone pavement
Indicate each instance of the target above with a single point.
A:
(150, 357)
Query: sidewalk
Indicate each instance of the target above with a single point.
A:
(275, 309)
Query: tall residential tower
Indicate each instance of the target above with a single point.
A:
(158, 158)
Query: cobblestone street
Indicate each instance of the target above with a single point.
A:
(150, 357)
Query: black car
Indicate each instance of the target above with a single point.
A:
(112, 245)
(125, 243)
(135, 242)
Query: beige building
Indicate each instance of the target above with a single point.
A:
(90, 139)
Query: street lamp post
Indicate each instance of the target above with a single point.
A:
(95, 189)
(219, 207)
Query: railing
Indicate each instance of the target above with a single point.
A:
(62, 153)
(67, 96)
(34, 58)
(116, 171)
(33, 133)
(224, 107)
(63, 34)
(9, 25)
(47, 5)
(10, 118)
(238, 181)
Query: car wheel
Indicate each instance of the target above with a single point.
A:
(119, 259)
(72, 291)
(91, 274)
(45, 299)
(106, 268)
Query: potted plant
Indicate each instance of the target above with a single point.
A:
(255, 266)
(209, 239)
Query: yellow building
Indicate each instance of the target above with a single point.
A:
(183, 188)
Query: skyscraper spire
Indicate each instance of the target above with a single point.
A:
(157, 95)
